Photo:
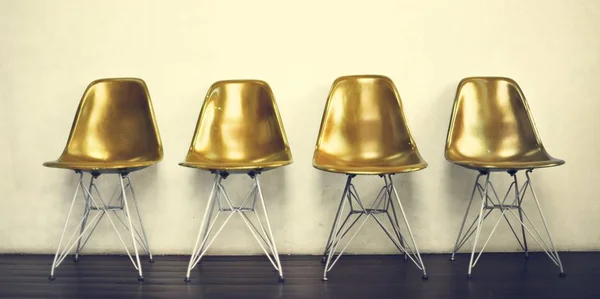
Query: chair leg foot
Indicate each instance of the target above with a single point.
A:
(51, 278)
(469, 276)
(452, 259)
(76, 259)
(281, 279)
(324, 259)
(151, 261)
(141, 278)
(562, 274)
(187, 279)
(324, 278)
(425, 277)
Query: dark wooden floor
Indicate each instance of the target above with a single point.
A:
(496, 276)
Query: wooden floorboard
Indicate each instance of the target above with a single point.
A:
(506, 275)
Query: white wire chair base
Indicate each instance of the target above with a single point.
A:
(490, 202)
(220, 203)
(383, 205)
(86, 227)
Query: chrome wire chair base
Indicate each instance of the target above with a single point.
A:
(94, 204)
(383, 206)
(490, 202)
(220, 203)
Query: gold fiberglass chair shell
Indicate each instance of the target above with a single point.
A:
(492, 130)
(239, 131)
(364, 132)
(114, 132)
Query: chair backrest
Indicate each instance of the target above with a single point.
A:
(240, 122)
(490, 121)
(114, 122)
(364, 120)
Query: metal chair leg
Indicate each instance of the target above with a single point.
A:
(552, 248)
(520, 201)
(203, 231)
(337, 216)
(462, 225)
(412, 237)
(220, 202)
(88, 226)
(271, 237)
(86, 212)
(479, 222)
(143, 237)
(133, 240)
(336, 230)
(56, 256)
(491, 202)
(383, 205)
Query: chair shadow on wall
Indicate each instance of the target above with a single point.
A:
(147, 184)
(68, 179)
(457, 181)
(273, 185)
(458, 188)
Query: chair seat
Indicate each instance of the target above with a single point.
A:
(536, 159)
(98, 166)
(217, 163)
(403, 162)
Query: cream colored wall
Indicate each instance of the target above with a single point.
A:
(50, 51)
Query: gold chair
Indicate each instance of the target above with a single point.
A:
(239, 131)
(364, 132)
(114, 132)
(492, 130)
